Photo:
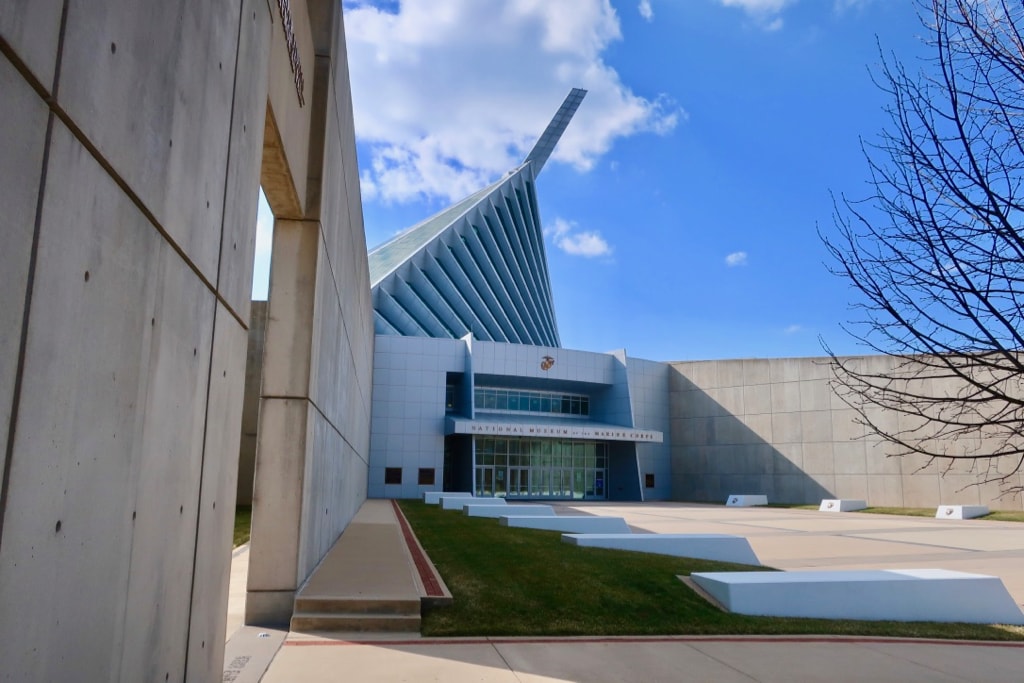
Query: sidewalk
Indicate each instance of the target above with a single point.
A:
(783, 538)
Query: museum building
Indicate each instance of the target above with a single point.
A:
(471, 389)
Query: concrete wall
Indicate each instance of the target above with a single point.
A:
(776, 427)
(313, 443)
(251, 402)
(130, 157)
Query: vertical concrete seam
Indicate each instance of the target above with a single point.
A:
(213, 343)
(33, 254)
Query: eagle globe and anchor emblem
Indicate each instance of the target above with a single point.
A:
(546, 363)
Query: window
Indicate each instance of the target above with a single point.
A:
(649, 480)
(544, 402)
(426, 477)
(392, 475)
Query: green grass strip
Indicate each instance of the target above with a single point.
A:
(524, 582)
(243, 524)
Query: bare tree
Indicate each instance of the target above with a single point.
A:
(936, 251)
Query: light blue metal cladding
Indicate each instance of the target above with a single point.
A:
(546, 144)
(477, 267)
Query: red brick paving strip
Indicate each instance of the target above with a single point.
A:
(419, 558)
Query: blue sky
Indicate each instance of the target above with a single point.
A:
(681, 206)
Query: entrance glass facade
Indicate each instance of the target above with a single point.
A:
(516, 467)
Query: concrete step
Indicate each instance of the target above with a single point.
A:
(361, 623)
(378, 606)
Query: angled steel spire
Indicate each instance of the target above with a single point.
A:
(546, 144)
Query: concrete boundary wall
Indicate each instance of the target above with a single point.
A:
(775, 426)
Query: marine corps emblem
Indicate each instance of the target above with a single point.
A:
(546, 363)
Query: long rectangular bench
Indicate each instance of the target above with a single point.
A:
(960, 511)
(877, 594)
(434, 497)
(580, 524)
(739, 500)
(720, 547)
(474, 510)
(456, 502)
(841, 505)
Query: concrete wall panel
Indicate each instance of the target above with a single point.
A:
(161, 73)
(784, 370)
(730, 373)
(288, 339)
(238, 239)
(167, 474)
(217, 503)
(96, 473)
(849, 457)
(284, 432)
(878, 460)
(851, 486)
(787, 428)
(22, 138)
(884, 490)
(251, 402)
(32, 29)
(68, 480)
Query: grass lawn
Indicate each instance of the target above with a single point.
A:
(525, 582)
(243, 522)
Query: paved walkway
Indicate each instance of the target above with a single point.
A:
(789, 539)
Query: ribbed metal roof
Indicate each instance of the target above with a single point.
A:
(479, 267)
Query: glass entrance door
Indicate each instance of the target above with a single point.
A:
(518, 481)
(484, 481)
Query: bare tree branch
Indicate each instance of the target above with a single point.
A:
(935, 251)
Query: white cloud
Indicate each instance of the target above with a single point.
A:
(766, 13)
(566, 236)
(737, 258)
(646, 11)
(449, 94)
(792, 329)
(842, 6)
(759, 6)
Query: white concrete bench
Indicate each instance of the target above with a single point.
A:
(434, 497)
(737, 500)
(841, 505)
(456, 502)
(961, 511)
(721, 547)
(474, 510)
(579, 524)
(889, 595)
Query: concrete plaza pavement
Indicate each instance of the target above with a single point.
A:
(783, 538)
